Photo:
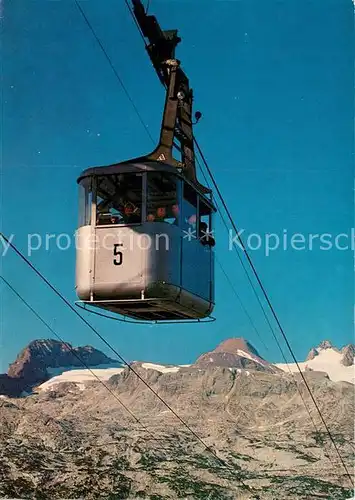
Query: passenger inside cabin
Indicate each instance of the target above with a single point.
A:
(175, 211)
(205, 236)
(192, 221)
(161, 213)
(132, 214)
(128, 211)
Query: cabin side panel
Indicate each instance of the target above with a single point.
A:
(85, 246)
(119, 263)
(163, 259)
(197, 268)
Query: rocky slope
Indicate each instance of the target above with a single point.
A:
(70, 442)
(32, 365)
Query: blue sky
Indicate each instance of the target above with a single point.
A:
(274, 81)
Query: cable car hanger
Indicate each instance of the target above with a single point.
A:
(177, 114)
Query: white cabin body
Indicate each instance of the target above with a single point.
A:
(144, 243)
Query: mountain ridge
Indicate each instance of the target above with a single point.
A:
(36, 363)
(31, 365)
(347, 352)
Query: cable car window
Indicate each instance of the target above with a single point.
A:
(189, 209)
(162, 197)
(205, 224)
(85, 201)
(119, 199)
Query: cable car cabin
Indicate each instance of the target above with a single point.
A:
(144, 243)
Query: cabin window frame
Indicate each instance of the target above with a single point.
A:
(88, 192)
(187, 204)
(210, 224)
(142, 201)
(178, 191)
(86, 196)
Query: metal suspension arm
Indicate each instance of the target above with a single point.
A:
(162, 44)
(177, 116)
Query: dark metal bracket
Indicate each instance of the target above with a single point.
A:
(177, 115)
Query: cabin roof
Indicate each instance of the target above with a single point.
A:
(129, 167)
(136, 167)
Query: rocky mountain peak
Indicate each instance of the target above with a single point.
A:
(325, 344)
(312, 354)
(50, 353)
(235, 353)
(348, 353)
(31, 365)
(233, 345)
